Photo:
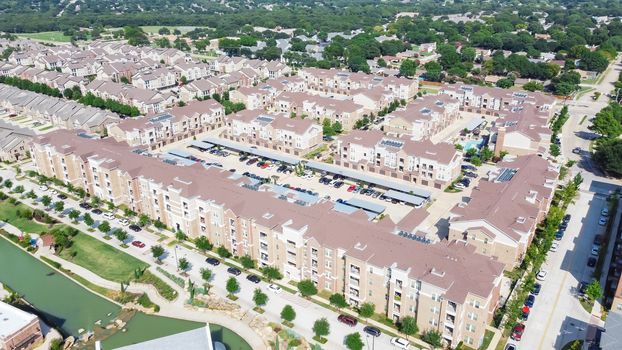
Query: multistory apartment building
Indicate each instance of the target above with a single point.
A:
(176, 124)
(447, 286)
(423, 117)
(501, 215)
(275, 131)
(421, 162)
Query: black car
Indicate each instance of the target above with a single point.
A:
(470, 174)
(212, 261)
(97, 211)
(61, 196)
(253, 278)
(468, 167)
(134, 228)
(531, 299)
(234, 271)
(566, 218)
(372, 331)
(84, 205)
(591, 262)
(536, 289)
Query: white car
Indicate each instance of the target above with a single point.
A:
(43, 188)
(54, 192)
(604, 212)
(123, 222)
(275, 289)
(602, 221)
(401, 343)
(595, 251)
(109, 215)
(554, 247)
(541, 276)
(459, 185)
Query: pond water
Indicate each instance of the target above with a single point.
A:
(70, 307)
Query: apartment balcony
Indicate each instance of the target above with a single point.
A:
(451, 309)
(355, 271)
(448, 336)
(449, 322)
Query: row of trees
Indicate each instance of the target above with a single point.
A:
(608, 148)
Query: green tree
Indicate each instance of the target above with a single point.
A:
(353, 341)
(288, 313)
(203, 244)
(609, 156)
(143, 220)
(184, 264)
(321, 328)
(157, 251)
(533, 86)
(475, 160)
(486, 154)
(433, 337)
(104, 227)
(46, 200)
(121, 235)
(59, 206)
(408, 68)
(307, 288)
(607, 122)
(271, 273)
(74, 215)
(223, 252)
(366, 310)
(594, 291)
(206, 275)
(338, 300)
(88, 220)
(247, 262)
(19, 189)
(259, 298)
(408, 326)
(554, 149)
(232, 285)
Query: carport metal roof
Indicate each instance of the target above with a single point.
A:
(180, 153)
(367, 206)
(377, 180)
(405, 197)
(256, 151)
(201, 145)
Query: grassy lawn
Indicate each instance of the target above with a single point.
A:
(487, 339)
(8, 213)
(47, 36)
(428, 90)
(46, 128)
(102, 259)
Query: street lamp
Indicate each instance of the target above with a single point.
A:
(176, 261)
(373, 341)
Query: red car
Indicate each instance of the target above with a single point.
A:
(138, 244)
(265, 165)
(349, 320)
(517, 332)
(351, 188)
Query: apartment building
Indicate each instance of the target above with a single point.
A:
(502, 213)
(19, 330)
(491, 100)
(447, 286)
(522, 130)
(147, 101)
(191, 70)
(13, 142)
(402, 158)
(176, 124)
(156, 79)
(275, 131)
(319, 108)
(333, 81)
(423, 117)
(56, 111)
(256, 97)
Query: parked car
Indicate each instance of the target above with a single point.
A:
(251, 161)
(401, 343)
(531, 299)
(566, 218)
(468, 167)
(61, 196)
(43, 188)
(234, 271)
(536, 289)
(525, 313)
(595, 251)
(459, 185)
(109, 216)
(510, 346)
(541, 276)
(517, 332)
(602, 221)
(554, 247)
(576, 150)
(351, 188)
(138, 244)
(134, 228)
(347, 319)
(123, 221)
(470, 174)
(85, 205)
(598, 240)
(604, 212)
(275, 289)
(559, 235)
(591, 262)
(96, 211)
(582, 287)
(212, 261)
(253, 278)
(372, 331)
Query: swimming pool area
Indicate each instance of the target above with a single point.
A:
(467, 145)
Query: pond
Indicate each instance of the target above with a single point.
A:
(70, 307)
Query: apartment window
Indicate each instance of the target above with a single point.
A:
(475, 304)
(468, 340)
(434, 310)
(436, 297)
(470, 327)
(472, 316)
(433, 322)
(412, 308)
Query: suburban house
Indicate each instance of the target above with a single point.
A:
(14, 142)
